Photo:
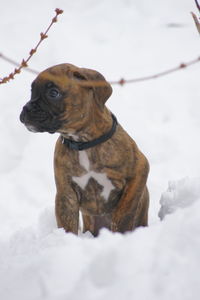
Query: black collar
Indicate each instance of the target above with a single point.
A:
(73, 145)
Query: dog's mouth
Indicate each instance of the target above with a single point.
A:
(31, 128)
(39, 121)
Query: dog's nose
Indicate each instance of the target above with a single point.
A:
(27, 108)
(23, 114)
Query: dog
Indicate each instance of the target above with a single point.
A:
(99, 170)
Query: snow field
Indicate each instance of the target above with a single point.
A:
(121, 38)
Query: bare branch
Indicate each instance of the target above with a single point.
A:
(24, 63)
(122, 81)
(11, 61)
(197, 4)
(196, 21)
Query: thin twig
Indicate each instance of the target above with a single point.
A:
(197, 4)
(122, 81)
(24, 63)
(196, 21)
(157, 75)
(11, 61)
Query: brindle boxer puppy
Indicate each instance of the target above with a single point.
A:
(99, 169)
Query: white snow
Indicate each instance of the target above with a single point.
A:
(180, 194)
(120, 38)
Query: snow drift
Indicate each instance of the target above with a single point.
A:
(159, 262)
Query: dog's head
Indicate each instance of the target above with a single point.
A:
(62, 99)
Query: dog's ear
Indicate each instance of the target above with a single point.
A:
(102, 91)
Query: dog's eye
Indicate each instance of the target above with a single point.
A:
(53, 93)
(79, 76)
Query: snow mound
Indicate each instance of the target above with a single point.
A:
(158, 262)
(180, 194)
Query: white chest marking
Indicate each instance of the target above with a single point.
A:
(83, 160)
(101, 178)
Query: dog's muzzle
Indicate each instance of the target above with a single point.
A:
(37, 120)
(32, 113)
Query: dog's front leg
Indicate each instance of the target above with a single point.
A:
(67, 210)
(67, 203)
(132, 208)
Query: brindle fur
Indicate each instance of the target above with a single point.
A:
(81, 113)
